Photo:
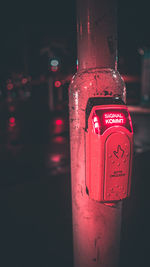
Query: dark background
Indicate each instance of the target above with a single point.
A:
(35, 198)
(26, 28)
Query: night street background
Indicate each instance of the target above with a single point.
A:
(35, 190)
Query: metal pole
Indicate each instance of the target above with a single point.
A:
(96, 226)
(96, 33)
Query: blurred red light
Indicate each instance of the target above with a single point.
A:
(10, 86)
(55, 158)
(12, 121)
(12, 108)
(57, 84)
(59, 140)
(59, 122)
(24, 80)
(54, 68)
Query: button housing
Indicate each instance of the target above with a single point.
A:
(117, 173)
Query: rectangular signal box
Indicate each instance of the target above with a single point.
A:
(109, 148)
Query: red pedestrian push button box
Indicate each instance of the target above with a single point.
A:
(109, 148)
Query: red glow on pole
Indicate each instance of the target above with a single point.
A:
(57, 84)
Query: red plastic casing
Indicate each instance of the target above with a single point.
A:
(109, 153)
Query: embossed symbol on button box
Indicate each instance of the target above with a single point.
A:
(119, 153)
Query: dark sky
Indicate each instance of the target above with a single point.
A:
(30, 26)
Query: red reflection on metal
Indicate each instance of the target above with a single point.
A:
(131, 78)
(130, 121)
(12, 122)
(114, 118)
(10, 86)
(57, 84)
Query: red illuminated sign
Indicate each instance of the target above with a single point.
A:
(114, 118)
(105, 118)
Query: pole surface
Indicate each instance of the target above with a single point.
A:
(96, 226)
(96, 33)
